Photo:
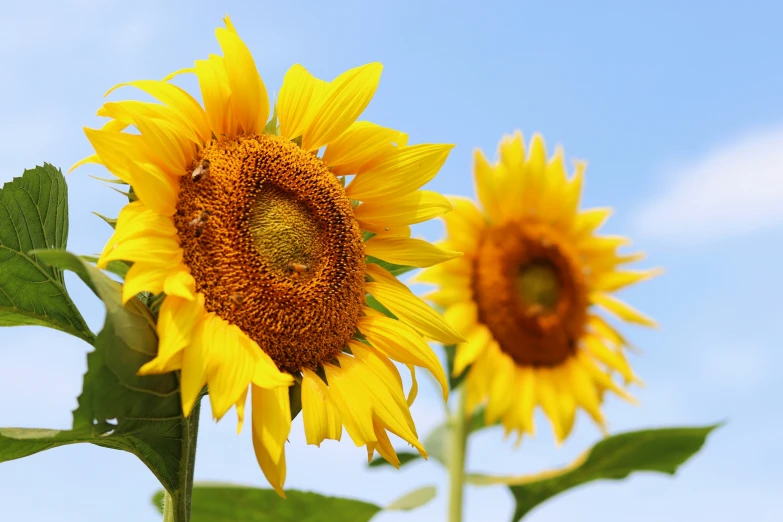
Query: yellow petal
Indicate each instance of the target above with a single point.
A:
(408, 308)
(178, 100)
(194, 364)
(615, 280)
(501, 390)
(620, 309)
(271, 426)
(321, 418)
(486, 179)
(378, 384)
(566, 400)
(230, 369)
(409, 209)
(134, 112)
(176, 319)
(361, 142)
(250, 100)
(156, 189)
(116, 151)
(153, 250)
(266, 373)
(401, 343)
(477, 341)
(546, 393)
(174, 152)
(180, 283)
(216, 93)
(585, 391)
(345, 99)
(465, 224)
(384, 445)
(144, 277)
(406, 251)
(351, 401)
(294, 100)
(609, 357)
(414, 391)
(241, 411)
(402, 172)
(382, 231)
(135, 220)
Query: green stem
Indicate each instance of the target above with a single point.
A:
(168, 507)
(457, 447)
(176, 507)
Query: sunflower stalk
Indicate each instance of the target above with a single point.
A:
(456, 460)
(176, 506)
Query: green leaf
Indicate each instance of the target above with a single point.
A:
(395, 270)
(229, 503)
(34, 215)
(404, 456)
(117, 408)
(658, 450)
(414, 499)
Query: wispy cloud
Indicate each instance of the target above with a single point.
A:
(735, 189)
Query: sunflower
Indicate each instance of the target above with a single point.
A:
(264, 258)
(530, 292)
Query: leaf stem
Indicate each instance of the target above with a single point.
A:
(176, 507)
(168, 507)
(456, 459)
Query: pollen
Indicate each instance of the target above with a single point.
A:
(281, 255)
(530, 292)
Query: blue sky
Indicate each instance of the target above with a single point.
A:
(676, 107)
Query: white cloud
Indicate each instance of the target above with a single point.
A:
(735, 189)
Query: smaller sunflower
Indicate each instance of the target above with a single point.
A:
(529, 293)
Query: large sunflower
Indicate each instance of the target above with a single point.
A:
(262, 252)
(529, 292)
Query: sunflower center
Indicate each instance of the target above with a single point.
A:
(271, 240)
(538, 286)
(530, 292)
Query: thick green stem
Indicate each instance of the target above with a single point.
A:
(176, 507)
(457, 447)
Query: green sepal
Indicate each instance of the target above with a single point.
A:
(112, 222)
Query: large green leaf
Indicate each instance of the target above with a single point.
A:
(117, 408)
(229, 503)
(658, 450)
(34, 215)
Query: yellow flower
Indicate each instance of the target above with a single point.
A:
(528, 292)
(259, 247)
